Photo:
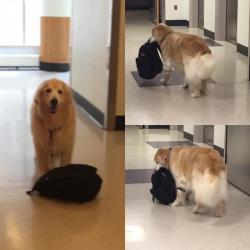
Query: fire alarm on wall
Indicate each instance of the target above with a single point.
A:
(175, 7)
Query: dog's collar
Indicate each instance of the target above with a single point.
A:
(160, 42)
(170, 150)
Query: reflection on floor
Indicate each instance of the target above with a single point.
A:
(153, 226)
(156, 105)
(38, 223)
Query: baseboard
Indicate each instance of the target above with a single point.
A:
(209, 34)
(56, 67)
(91, 109)
(27, 68)
(188, 136)
(138, 7)
(159, 126)
(177, 22)
(242, 49)
(120, 122)
(219, 149)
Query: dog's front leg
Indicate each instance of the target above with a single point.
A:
(42, 161)
(167, 70)
(66, 157)
(181, 193)
(180, 199)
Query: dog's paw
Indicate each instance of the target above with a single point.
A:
(185, 85)
(195, 95)
(175, 204)
(220, 209)
(164, 81)
(198, 209)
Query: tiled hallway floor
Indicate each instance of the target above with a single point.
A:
(37, 223)
(153, 226)
(226, 102)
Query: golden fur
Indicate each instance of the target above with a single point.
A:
(53, 127)
(188, 53)
(199, 170)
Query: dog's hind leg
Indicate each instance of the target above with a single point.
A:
(220, 209)
(185, 84)
(204, 86)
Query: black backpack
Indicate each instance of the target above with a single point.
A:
(74, 182)
(148, 62)
(164, 187)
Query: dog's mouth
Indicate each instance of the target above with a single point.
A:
(52, 110)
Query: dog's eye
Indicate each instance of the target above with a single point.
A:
(48, 90)
(60, 91)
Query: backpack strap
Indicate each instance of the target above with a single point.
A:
(181, 189)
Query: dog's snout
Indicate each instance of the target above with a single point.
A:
(152, 39)
(53, 102)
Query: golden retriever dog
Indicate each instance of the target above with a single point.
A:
(188, 53)
(199, 171)
(53, 125)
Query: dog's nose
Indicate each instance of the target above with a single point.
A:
(53, 102)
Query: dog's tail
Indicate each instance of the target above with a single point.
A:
(200, 67)
(210, 189)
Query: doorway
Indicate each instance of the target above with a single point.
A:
(201, 14)
(231, 26)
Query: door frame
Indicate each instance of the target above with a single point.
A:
(116, 63)
(162, 11)
(220, 20)
(199, 14)
(194, 13)
(226, 8)
(204, 128)
(249, 51)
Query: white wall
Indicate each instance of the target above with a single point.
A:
(60, 8)
(209, 15)
(243, 22)
(189, 129)
(219, 135)
(186, 10)
(179, 14)
(89, 74)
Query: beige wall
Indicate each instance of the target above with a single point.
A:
(89, 75)
(209, 15)
(243, 22)
(220, 135)
(120, 99)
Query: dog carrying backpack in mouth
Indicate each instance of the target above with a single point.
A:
(74, 182)
(163, 186)
(149, 62)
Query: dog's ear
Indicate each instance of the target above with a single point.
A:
(167, 157)
(68, 92)
(38, 94)
(156, 156)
